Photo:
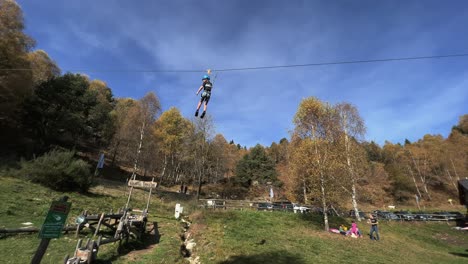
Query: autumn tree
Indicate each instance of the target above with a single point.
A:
(354, 159)
(202, 133)
(280, 154)
(43, 68)
(16, 80)
(124, 110)
(171, 131)
(401, 184)
(143, 119)
(462, 126)
(218, 157)
(314, 157)
(457, 147)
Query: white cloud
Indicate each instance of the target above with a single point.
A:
(396, 99)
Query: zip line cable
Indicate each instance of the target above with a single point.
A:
(343, 62)
(262, 67)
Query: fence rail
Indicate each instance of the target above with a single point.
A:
(253, 205)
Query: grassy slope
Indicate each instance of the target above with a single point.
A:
(236, 237)
(223, 237)
(27, 202)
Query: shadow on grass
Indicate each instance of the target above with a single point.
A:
(277, 257)
(333, 221)
(95, 195)
(463, 255)
(174, 196)
(147, 241)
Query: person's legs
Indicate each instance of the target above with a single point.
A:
(204, 111)
(377, 232)
(198, 106)
(371, 233)
(207, 99)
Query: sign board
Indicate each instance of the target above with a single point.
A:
(178, 211)
(100, 164)
(55, 220)
(142, 184)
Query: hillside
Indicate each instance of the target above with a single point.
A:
(223, 236)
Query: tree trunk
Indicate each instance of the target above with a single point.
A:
(306, 200)
(164, 170)
(423, 179)
(199, 183)
(115, 153)
(414, 180)
(354, 201)
(451, 179)
(455, 170)
(352, 176)
(142, 133)
(135, 166)
(324, 202)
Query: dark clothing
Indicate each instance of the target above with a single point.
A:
(374, 229)
(207, 86)
(205, 96)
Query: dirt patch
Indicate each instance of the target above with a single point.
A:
(451, 240)
(149, 242)
(135, 254)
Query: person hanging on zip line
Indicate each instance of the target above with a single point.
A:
(205, 96)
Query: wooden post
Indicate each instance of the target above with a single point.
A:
(44, 244)
(40, 251)
(99, 224)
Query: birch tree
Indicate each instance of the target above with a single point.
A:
(315, 138)
(352, 127)
(203, 131)
(171, 130)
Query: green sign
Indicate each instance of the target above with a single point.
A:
(55, 220)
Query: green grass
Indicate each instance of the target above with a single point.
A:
(237, 236)
(27, 202)
(221, 236)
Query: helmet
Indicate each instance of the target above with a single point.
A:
(207, 77)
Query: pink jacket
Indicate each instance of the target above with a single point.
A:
(354, 228)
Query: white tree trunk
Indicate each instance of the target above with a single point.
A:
(414, 180)
(163, 173)
(455, 170)
(423, 178)
(306, 199)
(135, 166)
(140, 144)
(324, 202)
(451, 179)
(354, 201)
(350, 170)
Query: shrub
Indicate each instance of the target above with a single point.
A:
(59, 170)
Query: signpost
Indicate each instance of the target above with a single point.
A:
(99, 165)
(52, 227)
(142, 184)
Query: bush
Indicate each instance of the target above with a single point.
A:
(59, 170)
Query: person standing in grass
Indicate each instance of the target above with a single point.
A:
(374, 227)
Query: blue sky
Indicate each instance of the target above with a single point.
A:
(397, 100)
